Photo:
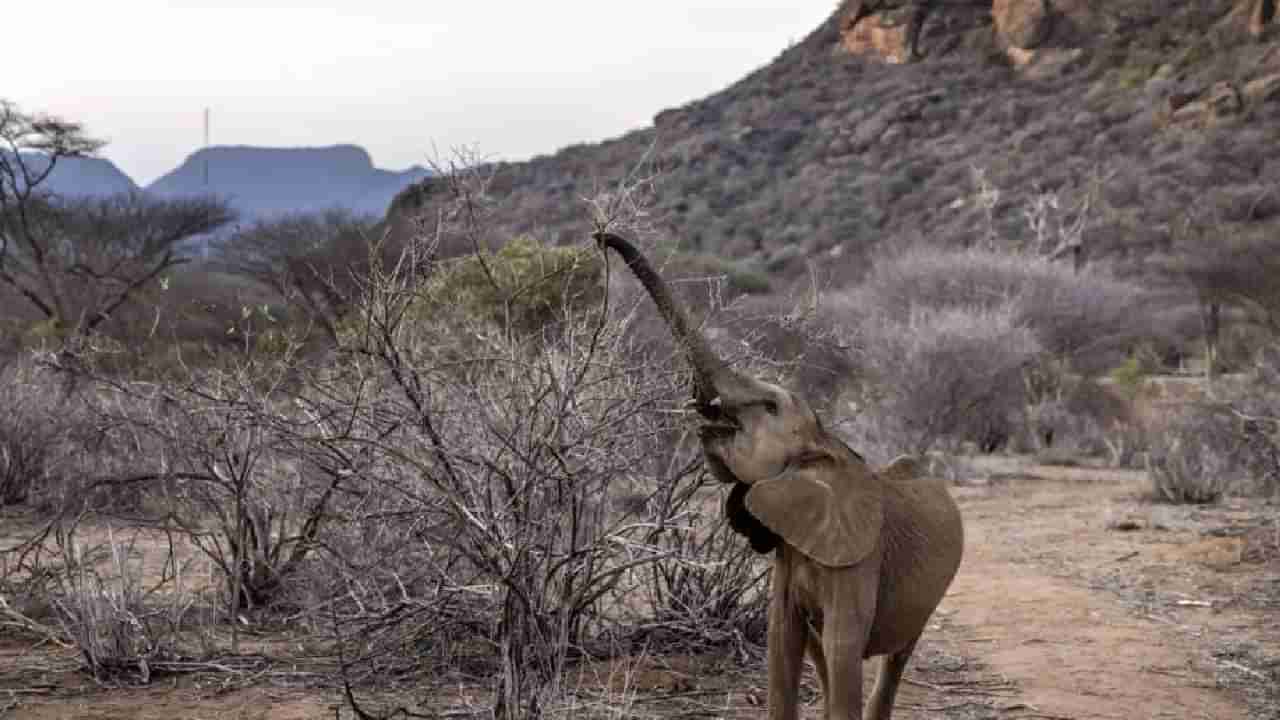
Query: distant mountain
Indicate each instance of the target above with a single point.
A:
(262, 182)
(81, 176)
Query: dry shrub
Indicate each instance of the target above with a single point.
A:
(496, 523)
(1087, 316)
(1193, 457)
(1073, 417)
(710, 595)
(952, 344)
(29, 432)
(1257, 412)
(504, 450)
(46, 437)
(1228, 445)
(123, 630)
(955, 372)
(239, 460)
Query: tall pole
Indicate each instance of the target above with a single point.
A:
(204, 246)
(206, 147)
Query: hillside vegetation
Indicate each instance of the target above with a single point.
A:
(1129, 118)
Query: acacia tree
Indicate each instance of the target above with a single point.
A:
(1227, 264)
(313, 262)
(78, 260)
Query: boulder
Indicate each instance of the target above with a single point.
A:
(1190, 113)
(1254, 17)
(1263, 89)
(1024, 24)
(1261, 14)
(1224, 100)
(1264, 12)
(885, 35)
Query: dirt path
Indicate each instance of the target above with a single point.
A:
(1073, 652)
(1085, 621)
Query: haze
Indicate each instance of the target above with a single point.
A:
(406, 80)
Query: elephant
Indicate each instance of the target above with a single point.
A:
(861, 557)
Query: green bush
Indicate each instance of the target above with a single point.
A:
(524, 286)
(1127, 376)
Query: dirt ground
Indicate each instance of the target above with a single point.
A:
(1077, 599)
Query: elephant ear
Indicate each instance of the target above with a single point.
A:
(762, 539)
(830, 510)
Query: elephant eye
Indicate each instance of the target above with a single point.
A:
(771, 407)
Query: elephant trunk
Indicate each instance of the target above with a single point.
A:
(708, 369)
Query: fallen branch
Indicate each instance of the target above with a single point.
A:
(943, 708)
(12, 618)
(994, 689)
(1237, 666)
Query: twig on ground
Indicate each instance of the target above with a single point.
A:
(1248, 670)
(942, 708)
(923, 684)
(993, 688)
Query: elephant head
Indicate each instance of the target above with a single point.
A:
(792, 478)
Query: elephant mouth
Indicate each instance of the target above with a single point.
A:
(718, 428)
(717, 423)
(719, 470)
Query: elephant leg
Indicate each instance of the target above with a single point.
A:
(820, 664)
(888, 681)
(850, 606)
(787, 631)
(843, 644)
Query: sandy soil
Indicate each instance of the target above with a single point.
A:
(1077, 599)
(1096, 604)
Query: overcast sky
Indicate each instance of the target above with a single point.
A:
(399, 77)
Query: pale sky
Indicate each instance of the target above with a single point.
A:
(406, 80)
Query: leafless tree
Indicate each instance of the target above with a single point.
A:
(77, 261)
(315, 263)
(526, 493)
(1227, 265)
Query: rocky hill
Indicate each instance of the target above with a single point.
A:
(261, 182)
(1102, 128)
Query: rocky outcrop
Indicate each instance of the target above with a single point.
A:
(1219, 103)
(898, 31)
(1255, 17)
(1261, 16)
(885, 34)
(1022, 24)
(1263, 89)
(1044, 38)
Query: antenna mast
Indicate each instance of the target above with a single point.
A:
(206, 147)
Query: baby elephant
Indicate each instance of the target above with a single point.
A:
(861, 558)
